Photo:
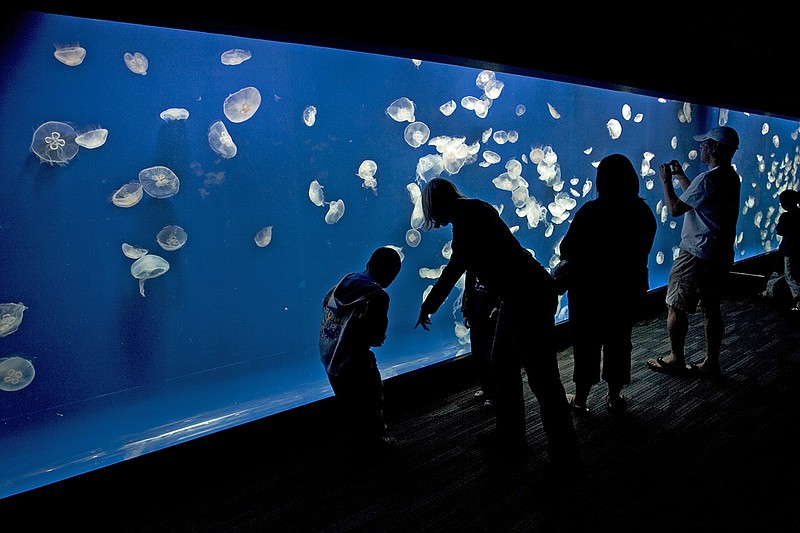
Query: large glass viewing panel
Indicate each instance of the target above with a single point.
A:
(175, 205)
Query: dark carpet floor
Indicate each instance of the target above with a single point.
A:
(689, 454)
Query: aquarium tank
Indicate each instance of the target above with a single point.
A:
(175, 204)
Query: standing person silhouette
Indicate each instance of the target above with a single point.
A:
(480, 308)
(609, 279)
(483, 244)
(710, 207)
(354, 319)
(788, 228)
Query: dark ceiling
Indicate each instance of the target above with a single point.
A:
(734, 58)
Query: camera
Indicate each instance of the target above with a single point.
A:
(673, 167)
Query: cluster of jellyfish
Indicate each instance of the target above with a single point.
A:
(16, 372)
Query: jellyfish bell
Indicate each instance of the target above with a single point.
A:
(236, 56)
(128, 195)
(10, 317)
(136, 62)
(54, 143)
(16, 373)
(242, 104)
(367, 169)
(417, 134)
(315, 193)
(220, 140)
(413, 237)
(171, 237)
(147, 267)
(72, 55)
(402, 110)
(310, 116)
(159, 182)
(263, 237)
(133, 252)
(93, 138)
(174, 113)
(335, 211)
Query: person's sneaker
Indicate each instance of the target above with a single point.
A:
(581, 409)
(488, 403)
(479, 393)
(616, 403)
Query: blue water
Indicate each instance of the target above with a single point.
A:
(229, 333)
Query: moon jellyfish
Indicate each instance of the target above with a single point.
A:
(236, 56)
(93, 138)
(159, 182)
(429, 166)
(310, 115)
(174, 113)
(413, 237)
(10, 318)
(147, 267)
(72, 56)
(242, 104)
(220, 140)
(15, 373)
(315, 193)
(417, 134)
(448, 108)
(367, 169)
(401, 110)
(136, 63)
(520, 110)
(553, 111)
(614, 128)
(128, 195)
(133, 252)
(335, 212)
(54, 142)
(171, 237)
(263, 237)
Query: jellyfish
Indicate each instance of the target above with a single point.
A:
(401, 110)
(54, 142)
(128, 195)
(72, 56)
(447, 108)
(220, 140)
(417, 134)
(159, 182)
(242, 104)
(553, 111)
(367, 169)
(264, 236)
(92, 138)
(133, 252)
(15, 373)
(520, 110)
(136, 63)
(171, 237)
(413, 237)
(147, 267)
(174, 113)
(236, 56)
(429, 166)
(10, 318)
(315, 193)
(335, 212)
(614, 128)
(310, 115)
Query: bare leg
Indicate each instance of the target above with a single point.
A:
(677, 327)
(715, 330)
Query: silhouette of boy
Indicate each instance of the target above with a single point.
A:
(354, 320)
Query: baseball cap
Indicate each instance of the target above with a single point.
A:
(723, 134)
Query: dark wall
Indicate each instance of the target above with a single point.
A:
(738, 57)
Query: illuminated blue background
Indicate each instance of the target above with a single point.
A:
(229, 334)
